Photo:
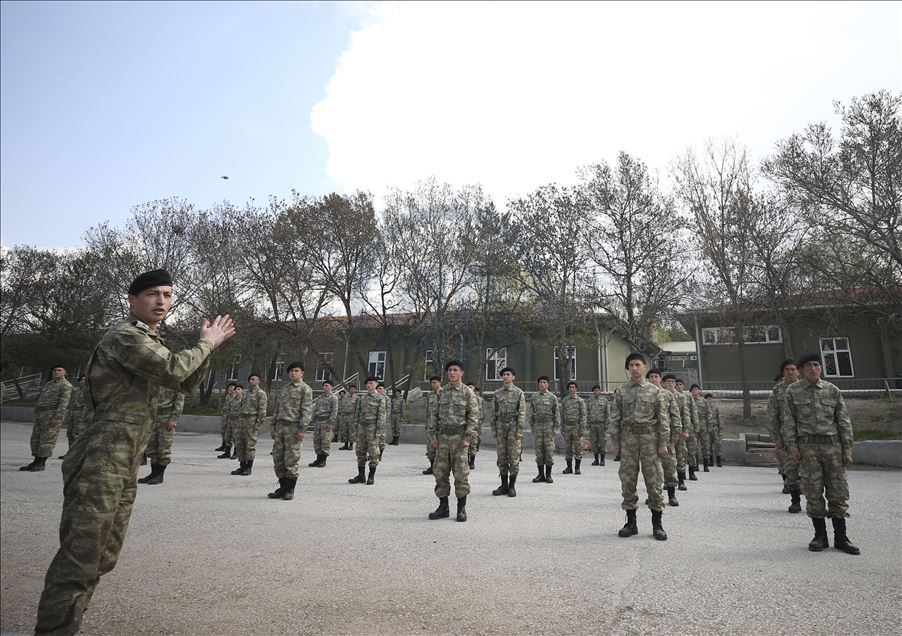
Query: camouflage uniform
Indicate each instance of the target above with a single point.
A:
(682, 446)
(640, 425)
(508, 422)
(325, 417)
(474, 447)
(714, 429)
(372, 412)
(669, 463)
(75, 417)
(49, 413)
(599, 412)
(251, 413)
(787, 466)
(292, 412)
(383, 439)
(429, 396)
(397, 415)
(99, 470)
(544, 417)
(703, 431)
(453, 420)
(690, 416)
(347, 407)
(169, 407)
(225, 424)
(573, 424)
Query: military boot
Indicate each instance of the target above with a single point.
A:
(335, 438)
(227, 454)
(601, 459)
(314, 463)
(629, 529)
(719, 462)
(369, 480)
(656, 528)
(395, 440)
(711, 461)
(595, 463)
(511, 488)
(290, 483)
(29, 467)
(692, 476)
(39, 463)
(350, 445)
(156, 477)
(61, 457)
(343, 446)
(221, 448)
(681, 477)
(462, 508)
(617, 457)
(503, 489)
(569, 469)
(541, 475)
(786, 490)
(360, 478)
(471, 462)
(278, 492)
(428, 471)
(576, 469)
(705, 464)
(548, 478)
(819, 542)
(671, 497)
(796, 505)
(442, 511)
(238, 470)
(322, 461)
(840, 540)
(248, 466)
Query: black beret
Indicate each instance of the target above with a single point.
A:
(695, 386)
(329, 382)
(808, 357)
(295, 365)
(572, 383)
(454, 363)
(635, 355)
(153, 278)
(544, 377)
(651, 371)
(372, 378)
(435, 378)
(669, 376)
(514, 373)
(597, 386)
(380, 384)
(709, 395)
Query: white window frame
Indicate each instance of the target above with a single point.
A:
(376, 365)
(235, 368)
(834, 353)
(498, 357)
(570, 350)
(429, 365)
(279, 367)
(322, 373)
(718, 333)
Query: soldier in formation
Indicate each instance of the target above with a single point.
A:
(371, 415)
(452, 428)
(74, 415)
(232, 416)
(397, 415)
(669, 463)
(292, 412)
(474, 448)
(598, 411)
(348, 412)
(690, 427)
(380, 389)
(703, 432)
(49, 413)
(714, 426)
(682, 453)
(508, 424)
(573, 423)
(325, 420)
(786, 466)
(435, 384)
(223, 423)
(543, 415)
(159, 446)
(251, 414)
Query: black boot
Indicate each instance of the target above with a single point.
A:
(503, 489)
(369, 479)
(796, 505)
(322, 461)
(681, 476)
(29, 467)
(576, 469)
(335, 438)
(569, 469)
(719, 462)
(248, 465)
(39, 464)
(227, 454)
(360, 478)
(394, 440)
(548, 479)
(656, 528)
(462, 508)
(471, 462)
(156, 475)
(290, 483)
(601, 460)
(314, 463)
(350, 445)
(786, 489)
(705, 464)
(617, 457)
(238, 470)
(819, 542)
(428, 471)
(221, 447)
(61, 457)
(692, 476)
(595, 463)
(629, 529)
(511, 488)
(343, 446)
(671, 497)
(442, 511)
(840, 540)
(541, 476)
(278, 492)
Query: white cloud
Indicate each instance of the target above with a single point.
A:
(516, 95)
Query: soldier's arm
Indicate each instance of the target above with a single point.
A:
(521, 412)
(614, 422)
(62, 404)
(143, 356)
(262, 401)
(558, 419)
(662, 420)
(495, 405)
(472, 431)
(790, 424)
(380, 418)
(432, 419)
(843, 425)
(583, 417)
(333, 412)
(178, 404)
(773, 422)
(306, 413)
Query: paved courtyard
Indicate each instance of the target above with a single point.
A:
(208, 553)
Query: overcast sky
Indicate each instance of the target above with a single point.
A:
(104, 106)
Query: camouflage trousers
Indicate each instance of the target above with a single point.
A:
(367, 445)
(396, 425)
(44, 435)
(640, 451)
(347, 429)
(508, 449)
(789, 468)
(669, 467)
(430, 452)
(286, 450)
(823, 473)
(232, 425)
(159, 444)
(692, 450)
(682, 454)
(246, 439)
(451, 457)
(573, 443)
(704, 441)
(322, 437)
(597, 437)
(714, 435)
(73, 428)
(543, 443)
(99, 487)
(474, 447)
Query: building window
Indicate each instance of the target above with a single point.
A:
(837, 358)
(767, 334)
(376, 366)
(236, 367)
(429, 367)
(280, 367)
(496, 359)
(322, 371)
(571, 354)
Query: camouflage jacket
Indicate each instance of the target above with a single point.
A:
(169, 404)
(293, 405)
(325, 409)
(816, 410)
(544, 410)
(397, 408)
(53, 400)
(639, 408)
(76, 404)
(776, 404)
(673, 412)
(454, 412)
(127, 368)
(372, 410)
(509, 409)
(688, 414)
(598, 410)
(253, 406)
(573, 413)
(347, 406)
(701, 412)
(714, 417)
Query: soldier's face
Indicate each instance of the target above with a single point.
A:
(296, 374)
(695, 392)
(543, 385)
(81, 380)
(669, 384)
(253, 381)
(455, 373)
(239, 392)
(371, 386)
(58, 373)
(812, 371)
(232, 388)
(327, 388)
(353, 391)
(679, 386)
(596, 392)
(571, 390)
(507, 377)
(790, 373)
(636, 369)
(380, 390)
(152, 304)
(655, 379)
(435, 384)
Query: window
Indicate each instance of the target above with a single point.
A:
(837, 358)
(496, 359)
(429, 367)
(571, 354)
(280, 367)
(767, 334)
(236, 367)
(322, 372)
(376, 365)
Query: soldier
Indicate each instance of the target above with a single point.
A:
(251, 413)
(508, 423)
(74, 415)
(435, 383)
(682, 452)
(819, 435)
(231, 413)
(452, 428)
(714, 422)
(226, 405)
(397, 415)
(786, 466)
(639, 430)
(598, 411)
(291, 414)
(99, 470)
(372, 413)
(690, 427)
(348, 411)
(703, 433)
(544, 415)
(474, 448)
(669, 463)
(380, 389)
(325, 416)
(49, 413)
(573, 423)
(159, 446)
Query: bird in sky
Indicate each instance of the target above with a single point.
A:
(224, 177)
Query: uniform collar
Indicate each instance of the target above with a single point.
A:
(819, 384)
(639, 383)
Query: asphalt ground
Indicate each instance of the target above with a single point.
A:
(208, 553)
